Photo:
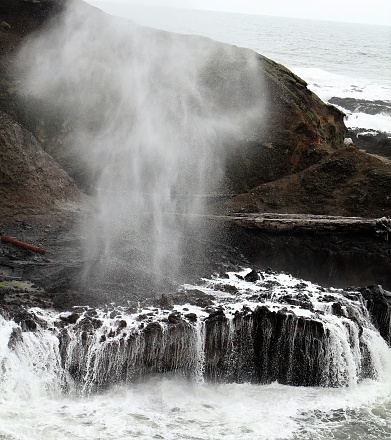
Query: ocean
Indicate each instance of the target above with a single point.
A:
(338, 60)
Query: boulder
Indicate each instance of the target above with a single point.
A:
(31, 182)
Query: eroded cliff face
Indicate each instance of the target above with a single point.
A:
(349, 182)
(30, 180)
(300, 130)
(289, 158)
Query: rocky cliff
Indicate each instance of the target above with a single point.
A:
(30, 180)
(295, 131)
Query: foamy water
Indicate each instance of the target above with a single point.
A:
(173, 409)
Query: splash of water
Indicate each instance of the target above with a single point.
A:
(154, 116)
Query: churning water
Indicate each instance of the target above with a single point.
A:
(173, 409)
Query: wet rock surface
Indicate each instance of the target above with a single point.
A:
(363, 106)
(257, 335)
(378, 302)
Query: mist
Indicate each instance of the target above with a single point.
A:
(153, 116)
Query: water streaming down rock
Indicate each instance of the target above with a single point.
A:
(257, 332)
(30, 363)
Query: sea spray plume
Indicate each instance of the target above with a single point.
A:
(155, 116)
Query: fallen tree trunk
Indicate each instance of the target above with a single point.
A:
(21, 244)
(301, 222)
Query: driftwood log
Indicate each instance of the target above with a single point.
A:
(21, 244)
(300, 222)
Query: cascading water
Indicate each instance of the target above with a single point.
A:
(269, 330)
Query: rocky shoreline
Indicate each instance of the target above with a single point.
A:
(371, 141)
(296, 199)
(247, 326)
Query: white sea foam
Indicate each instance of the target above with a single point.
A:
(328, 85)
(380, 122)
(173, 410)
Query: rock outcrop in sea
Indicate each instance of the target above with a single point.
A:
(256, 327)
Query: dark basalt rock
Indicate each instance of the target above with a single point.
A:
(363, 106)
(71, 319)
(300, 300)
(378, 303)
(252, 276)
(192, 296)
(26, 170)
(15, 337)
(192, 317)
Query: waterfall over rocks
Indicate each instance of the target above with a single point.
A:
(273, 329)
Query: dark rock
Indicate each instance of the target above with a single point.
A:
(27, 169)
(15, 338)
(174, 318)
(299, 299)
(378, 302)
(363, 106)
(122, 324)
(217, 314)
(28, 325)
(229, 288)
(252, 276)
(336, 309)
(318, 189)
(70, 319)
(199, 298)
(167, 301)
(153, 327)
(192, 317)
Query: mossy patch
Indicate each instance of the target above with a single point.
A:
(18, 286)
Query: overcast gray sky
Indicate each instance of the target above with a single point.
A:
(358, 11)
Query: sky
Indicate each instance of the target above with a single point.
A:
(356, 11)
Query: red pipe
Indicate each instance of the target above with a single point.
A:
(15, 242)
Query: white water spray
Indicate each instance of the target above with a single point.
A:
(153, 117)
